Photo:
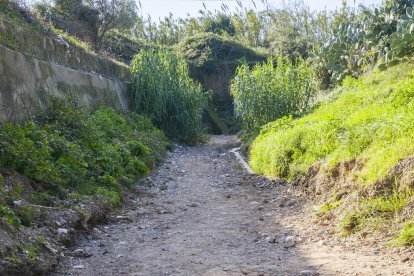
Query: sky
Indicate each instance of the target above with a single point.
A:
(180, 8)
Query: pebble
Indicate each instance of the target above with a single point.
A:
(289, 241)
(270, 239)
(62, 231)
(307, 273)
(79, 267)
(81, 253)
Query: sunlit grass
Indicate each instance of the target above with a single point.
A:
(371, 120)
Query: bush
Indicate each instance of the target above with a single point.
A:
(271, 91)
(67, 148)
(164, 92)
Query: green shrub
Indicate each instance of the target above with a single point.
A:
(271, 91)
(164, 92)
(68, 148)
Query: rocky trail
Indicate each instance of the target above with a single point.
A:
(202, 215)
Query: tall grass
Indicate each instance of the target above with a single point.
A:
(272, 90)
(371, 119)
(164, 92)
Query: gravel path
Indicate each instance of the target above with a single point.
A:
(201, 215)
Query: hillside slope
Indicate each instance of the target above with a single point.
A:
(353, 151)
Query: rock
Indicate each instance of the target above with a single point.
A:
(123, 218)
(97, 231)
(289, 241)
(308, 273)
(321, 243)
(81, 253)
(270, 239)
(17, 203)
(119, 256)
(79, 267)
(62, 231)
(404, 259)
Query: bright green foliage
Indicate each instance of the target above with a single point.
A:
(371, 119)
(67, 148)
(164, 92)
(329, 206)
(406, 237)
(271, 91)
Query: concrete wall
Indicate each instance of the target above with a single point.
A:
(54, 50)
(26, 84)
(34, 67)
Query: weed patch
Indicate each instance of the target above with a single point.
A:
(67, 150)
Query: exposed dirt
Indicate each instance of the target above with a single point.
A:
(202, 215)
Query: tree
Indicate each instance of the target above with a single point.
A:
(108, 15)
(219, 24)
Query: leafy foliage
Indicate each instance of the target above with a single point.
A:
(406, 237)
(271, 91)
(66, 148)
(164, 92)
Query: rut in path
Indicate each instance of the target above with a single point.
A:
(204, 216)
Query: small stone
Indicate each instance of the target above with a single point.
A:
(119, 256)
(405, 259)
(307, 273)
(81, 253)
(17, 203)
(62, 231)
(289, 241)
(97, 231)
(79, 267)
(321, 243)
(270, 239)
(123, 218)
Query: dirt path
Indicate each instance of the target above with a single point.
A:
(203, 216)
